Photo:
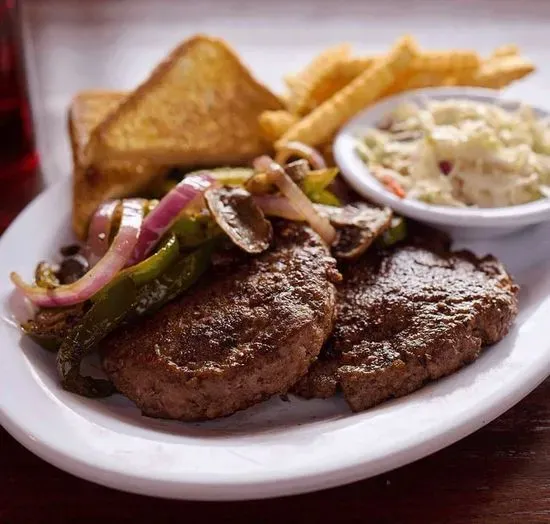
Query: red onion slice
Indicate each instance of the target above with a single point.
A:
(290, 149)
(184, 196)
(103, 272)
(296, 197)
(277, 206)
(97, 243)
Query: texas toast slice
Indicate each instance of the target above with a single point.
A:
(92, 185)
(198, 107)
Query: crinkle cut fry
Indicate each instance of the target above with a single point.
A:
(439, 61)
(313, 76)
(337, 78)
(322, 123)
(498, 72)
(275, 124)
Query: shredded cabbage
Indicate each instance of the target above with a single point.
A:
(461, 153)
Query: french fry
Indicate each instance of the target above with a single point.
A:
(317, 127)
(338, 77)
(325, 89)
(353, 67)
(421, 80)
(449, 81)
(314, 74)
(505, 50)
(499, 72)
(311, 71)
(437, 68)
(274, 124)
(461, 78)
(446, 61)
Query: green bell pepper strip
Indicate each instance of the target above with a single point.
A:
(50, 343)
(147, 269)
(123, 300)
(325, 197)
(153, 266)
(396, 233)
(174, 281)
(192, 231)
(318, 180)
(106, 313)
(51, 339)
(50, 326)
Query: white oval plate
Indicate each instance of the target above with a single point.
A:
(276, 448)
(471, 222)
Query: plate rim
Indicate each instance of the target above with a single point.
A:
(248, 489)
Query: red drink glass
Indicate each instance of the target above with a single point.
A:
(19, 176)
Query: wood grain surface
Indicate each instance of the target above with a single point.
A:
(501, 473)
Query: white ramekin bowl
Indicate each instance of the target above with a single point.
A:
(469, 222)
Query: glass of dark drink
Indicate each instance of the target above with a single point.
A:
(19, 176)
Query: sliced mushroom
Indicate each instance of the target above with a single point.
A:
(297, 170)
(241, 219)
(357, 226)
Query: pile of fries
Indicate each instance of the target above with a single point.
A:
(337, 85)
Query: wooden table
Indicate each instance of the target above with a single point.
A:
(499, 474)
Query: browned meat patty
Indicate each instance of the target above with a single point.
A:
(409, 315)
(249, 329)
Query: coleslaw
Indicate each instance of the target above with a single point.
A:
(460, 153)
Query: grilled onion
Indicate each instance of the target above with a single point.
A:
(183, 196)
(99, 231)
(101, 274)
(292, 149)
(297, 199)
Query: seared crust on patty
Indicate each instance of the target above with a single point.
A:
(409, 315)
(249, 329)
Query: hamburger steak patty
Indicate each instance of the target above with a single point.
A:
(249, 329)
(408, 315)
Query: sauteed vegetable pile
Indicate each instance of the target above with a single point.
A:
(141, 253)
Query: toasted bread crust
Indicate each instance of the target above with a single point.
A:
(87, 110)
(91, 186)
(98, 147)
